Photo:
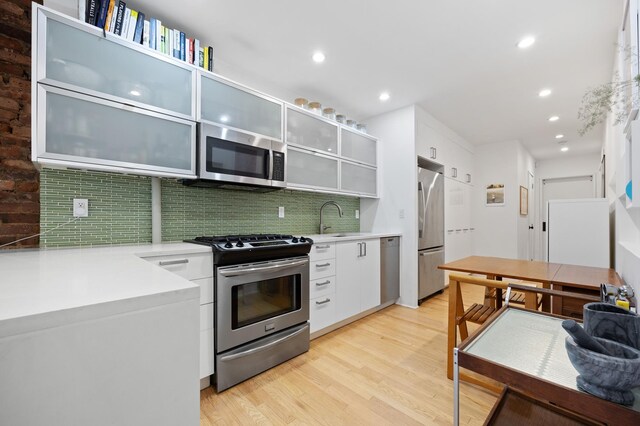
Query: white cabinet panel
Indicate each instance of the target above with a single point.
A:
(322, 312)
(206, 340)
(191, 266)
(358, 147)
(322, 286)
(206, 289)
(312, 132)
(357, 277)
(77, 56)
(322, 268)
(225, 103)
(90, 131)
(321, 251)
(359, 179)
(312, 170)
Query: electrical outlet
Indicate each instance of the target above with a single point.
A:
(401, 213)
(80, 207)
(357, 214)
(280, 212)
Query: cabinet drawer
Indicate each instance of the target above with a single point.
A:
(189, 266)
(320, 251)
(322, 268)
(322, 312)
(206, 289)
(322, 287)
(206, 316)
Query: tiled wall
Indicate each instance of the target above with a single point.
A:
(120, 210)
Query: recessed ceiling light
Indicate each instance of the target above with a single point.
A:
(224, 118)
(134, 93)
(318, 57)
(544, 93)
(564, 149)
(384, 96)
(554, 118)
(560, 136)
(526, 42)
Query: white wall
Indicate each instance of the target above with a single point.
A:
(398, 189)
(567, 167)
(68, 7)
(526, 165)
(496, 226)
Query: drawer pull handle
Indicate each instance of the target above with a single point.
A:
(323, 265)
(172, 262)
(323, 247)
(327, 300)
(324, 283)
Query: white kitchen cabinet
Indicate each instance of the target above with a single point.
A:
(197, 268)
(307, 169)
(358, 179)
(458, 227)
(83, 131)
(97, 107)
(430, 144)
(232, 105)
(358, 147)
(322, 269)
(77, 56)
(311, 131)
(357, 277)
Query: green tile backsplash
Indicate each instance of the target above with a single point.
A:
(120, 210)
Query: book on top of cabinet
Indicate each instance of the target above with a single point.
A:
(114, 16)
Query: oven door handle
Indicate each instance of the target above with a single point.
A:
(262, 348)
(244, 271)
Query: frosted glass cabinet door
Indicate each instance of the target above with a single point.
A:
(79, 129)
(359, 179)
(231, 106)
(312, 132)
(358, 147)
(83, 60)
(309, 169)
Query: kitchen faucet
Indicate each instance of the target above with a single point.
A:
(323, 227)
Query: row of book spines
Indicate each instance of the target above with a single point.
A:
(132, 25)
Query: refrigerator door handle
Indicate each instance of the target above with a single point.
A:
(421, 208)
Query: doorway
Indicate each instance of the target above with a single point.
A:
(566, 188)
(531, 219)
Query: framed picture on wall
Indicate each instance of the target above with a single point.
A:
(495, 194)
(524, 201)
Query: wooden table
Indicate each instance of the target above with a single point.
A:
(525, 350)
(580, 279)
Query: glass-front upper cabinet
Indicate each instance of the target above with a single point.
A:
(77, 130)
(358, 179)
(77, 56)
(310, 169)
(311, 131)
(358, 147)
(231, 105)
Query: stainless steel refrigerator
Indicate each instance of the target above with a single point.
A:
(430, 232)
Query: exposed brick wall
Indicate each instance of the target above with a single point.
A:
(19, 180)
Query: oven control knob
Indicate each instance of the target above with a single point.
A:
(294, 240)
(303, 239)
(240, 244)
(228, 245)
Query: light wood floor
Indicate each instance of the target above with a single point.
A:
(387, 368)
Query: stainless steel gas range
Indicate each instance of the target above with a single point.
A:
(261, 305)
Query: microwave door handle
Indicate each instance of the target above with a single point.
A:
(270, 165)
(250, 270)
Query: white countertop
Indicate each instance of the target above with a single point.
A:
(350, 236)
(55, 286)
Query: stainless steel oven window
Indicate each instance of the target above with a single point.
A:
(261, 300)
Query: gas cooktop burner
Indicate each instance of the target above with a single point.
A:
(254, 247)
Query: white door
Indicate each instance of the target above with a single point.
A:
(562, 189)
(531, 234)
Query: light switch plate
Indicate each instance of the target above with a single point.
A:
(401, 213)
(80, 207)
(357, 214)
(280, 212)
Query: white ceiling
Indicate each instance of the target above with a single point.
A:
(457, 59)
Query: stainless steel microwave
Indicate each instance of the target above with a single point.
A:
(234, 157)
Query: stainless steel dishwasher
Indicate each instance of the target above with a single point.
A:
(389, 269)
